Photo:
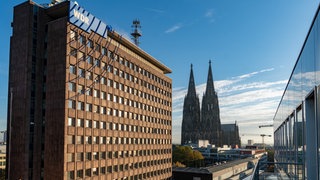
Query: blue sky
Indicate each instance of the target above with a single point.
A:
(253, 45)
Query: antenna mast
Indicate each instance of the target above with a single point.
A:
(136, 31)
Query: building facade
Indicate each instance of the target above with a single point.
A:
(230, 135)
(204, 124)
(296, 122)
(84, 102)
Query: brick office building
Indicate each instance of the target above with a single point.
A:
(84, 102)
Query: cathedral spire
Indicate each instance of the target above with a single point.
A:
(190, 130)
(210, 85)
(192, 87)
(210, 113)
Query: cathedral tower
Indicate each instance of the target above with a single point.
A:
(210, 113)
(191, 114)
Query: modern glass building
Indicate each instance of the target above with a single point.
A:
(297, 120)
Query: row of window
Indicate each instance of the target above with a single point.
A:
(89, 156)
(112, 112)
(72, 139)
(116, 126)
(100, 79)
(116, 168)
(118, 99)
(111, 55)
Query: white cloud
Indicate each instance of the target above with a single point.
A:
(159, 11)
(173, 28)
(209, 15)
(242, 99)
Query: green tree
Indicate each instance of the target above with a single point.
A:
(178, 164)
(270, 167)
(186, 155)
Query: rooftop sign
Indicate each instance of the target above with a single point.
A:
(86, 21)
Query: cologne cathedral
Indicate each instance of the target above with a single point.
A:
(204, 123)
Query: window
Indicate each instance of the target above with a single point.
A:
(80, 122)
(72, 69)
(115, 126)
(88, 124)
(103, 80)
(96, 78)
(110, 97)
(121, 73)
(70, 157)
(110, 83)
(71, 121)
(80, 173)
(103, 95)
(103, 125)
(121, 100)
(70, 175)
(110, 68)
(96, 109)
(115, 98)
(103, 140)
(82, 39)
(104, 51)
(109, 169)
(116, 85)
(95, 124)
(103, 110)
(88, 172)
(81, 73)
(72, 86)
(103, 170)
(79, 156)
(89, 92)
(110, 54)
(73, 35)
(89, 75)
(97, 62)
(115, 168)
(95, 155)
(121, 60)
(80, 105)
(96, 93)
(81, 89)
(88, 140)
(115, 71)
(72, 104)
(103, 65)
(79, 140)
(89, 59)
(90, 43)
(97, 47)
(109, 111)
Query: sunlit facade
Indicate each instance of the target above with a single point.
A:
(85, 103)
(297, 120)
